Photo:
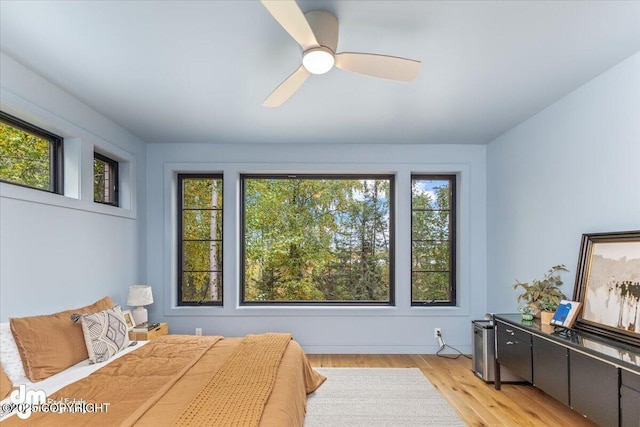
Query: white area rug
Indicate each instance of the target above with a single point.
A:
(368, 397)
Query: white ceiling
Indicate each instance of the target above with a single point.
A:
(198, 71)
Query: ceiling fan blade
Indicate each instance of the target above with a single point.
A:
(291, 18)
(383, 66)
(325, 28)
(287, 88)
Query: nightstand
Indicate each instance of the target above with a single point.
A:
(161, 330)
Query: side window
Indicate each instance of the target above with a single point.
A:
(200, 239)
(105, 180)
(30, 156)
(433, 240)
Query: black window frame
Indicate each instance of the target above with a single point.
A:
(180, 179)
(355, 176)
(453, 202)
(56, 155)
(114, 177)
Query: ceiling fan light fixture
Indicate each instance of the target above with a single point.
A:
(317, 34)
(318, 60)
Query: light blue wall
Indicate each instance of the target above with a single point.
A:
(399, 329)
(525, 199)
(573, 168)
(60, 252)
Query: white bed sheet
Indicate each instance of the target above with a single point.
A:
(70, 375)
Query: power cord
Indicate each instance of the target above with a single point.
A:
(444, 345)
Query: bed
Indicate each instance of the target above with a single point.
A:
(259, 380)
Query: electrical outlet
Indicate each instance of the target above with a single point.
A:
(437, 332)
(199, 332)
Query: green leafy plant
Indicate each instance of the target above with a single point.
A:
(544, 294)
(548, 305)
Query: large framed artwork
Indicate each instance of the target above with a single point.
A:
(608, 285)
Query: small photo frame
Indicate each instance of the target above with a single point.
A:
(566, 313)
(128, 319)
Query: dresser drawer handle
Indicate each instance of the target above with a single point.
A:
(509, 342)
(509, 331)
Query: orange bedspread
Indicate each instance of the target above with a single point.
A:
(153, 385)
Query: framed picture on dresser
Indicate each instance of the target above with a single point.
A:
(566, 313)
(608, 285)
(128, 319)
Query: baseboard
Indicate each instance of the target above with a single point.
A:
(381, 349)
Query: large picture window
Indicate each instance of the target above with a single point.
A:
(317, 239)
(200, 239)
(29, 156)
(433, 240)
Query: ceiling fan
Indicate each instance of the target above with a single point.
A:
(317, 33)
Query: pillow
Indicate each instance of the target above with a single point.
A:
(50, 344)
(5, 384)
(9, 354)
(105, 333)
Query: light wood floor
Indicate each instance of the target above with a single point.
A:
(477, 403)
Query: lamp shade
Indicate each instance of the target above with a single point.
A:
(140, 295)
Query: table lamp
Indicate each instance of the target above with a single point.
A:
(140, 295)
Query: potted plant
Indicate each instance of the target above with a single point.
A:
(543, 296)
(547, 308)
(527, 312)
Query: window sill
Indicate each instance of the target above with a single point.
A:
(313, 311)
(16, 192)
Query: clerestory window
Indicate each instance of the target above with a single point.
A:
(105, 180)
(30, 156)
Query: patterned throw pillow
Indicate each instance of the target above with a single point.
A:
(105, 333)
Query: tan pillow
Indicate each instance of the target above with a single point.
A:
(5, 384)
(50, 344)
